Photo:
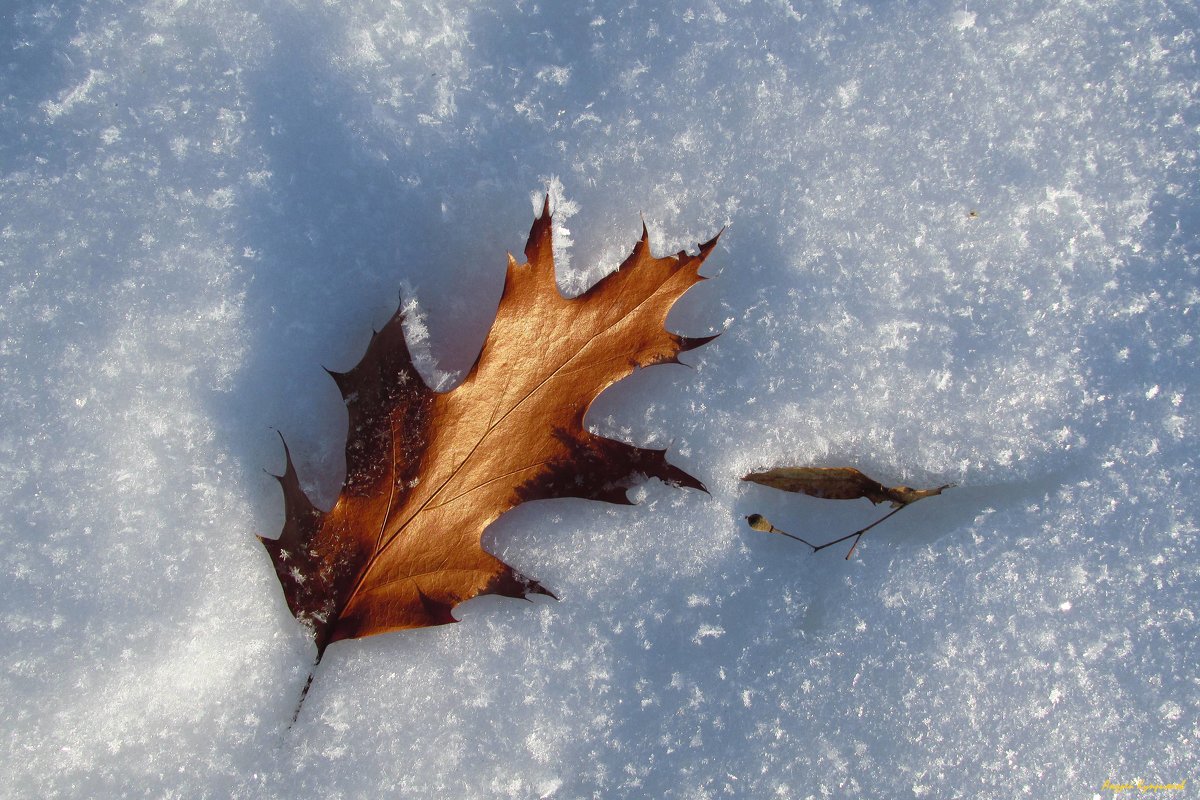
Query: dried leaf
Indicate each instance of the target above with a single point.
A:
(839, 483)
(428, 472)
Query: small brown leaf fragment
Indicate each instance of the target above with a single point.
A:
(839, 483)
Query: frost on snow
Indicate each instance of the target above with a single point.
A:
(964, 241)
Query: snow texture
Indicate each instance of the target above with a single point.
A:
(961, 245)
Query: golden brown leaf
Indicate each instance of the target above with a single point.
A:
(428, 472)
(839, 483)
(834, 483)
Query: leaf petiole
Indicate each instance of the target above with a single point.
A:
(304, 692)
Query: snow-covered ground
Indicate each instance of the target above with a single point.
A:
(202, 203)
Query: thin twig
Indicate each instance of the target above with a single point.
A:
(857, 535)
(797, 538)
(760, 523)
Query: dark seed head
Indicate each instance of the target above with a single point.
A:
(759, 523)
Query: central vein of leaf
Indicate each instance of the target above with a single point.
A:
(382, 547)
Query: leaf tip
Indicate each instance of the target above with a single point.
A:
(709, 246)
(539, 246)
(692, 342)
(534, 587)
(289, 468)
(342, 379)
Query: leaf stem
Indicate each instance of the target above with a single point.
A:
(304, 692)
(797, 538)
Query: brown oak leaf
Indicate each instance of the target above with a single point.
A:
(427, 472)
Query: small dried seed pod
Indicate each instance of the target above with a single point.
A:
(760, 523)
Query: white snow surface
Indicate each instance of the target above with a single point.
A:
(203, 203)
